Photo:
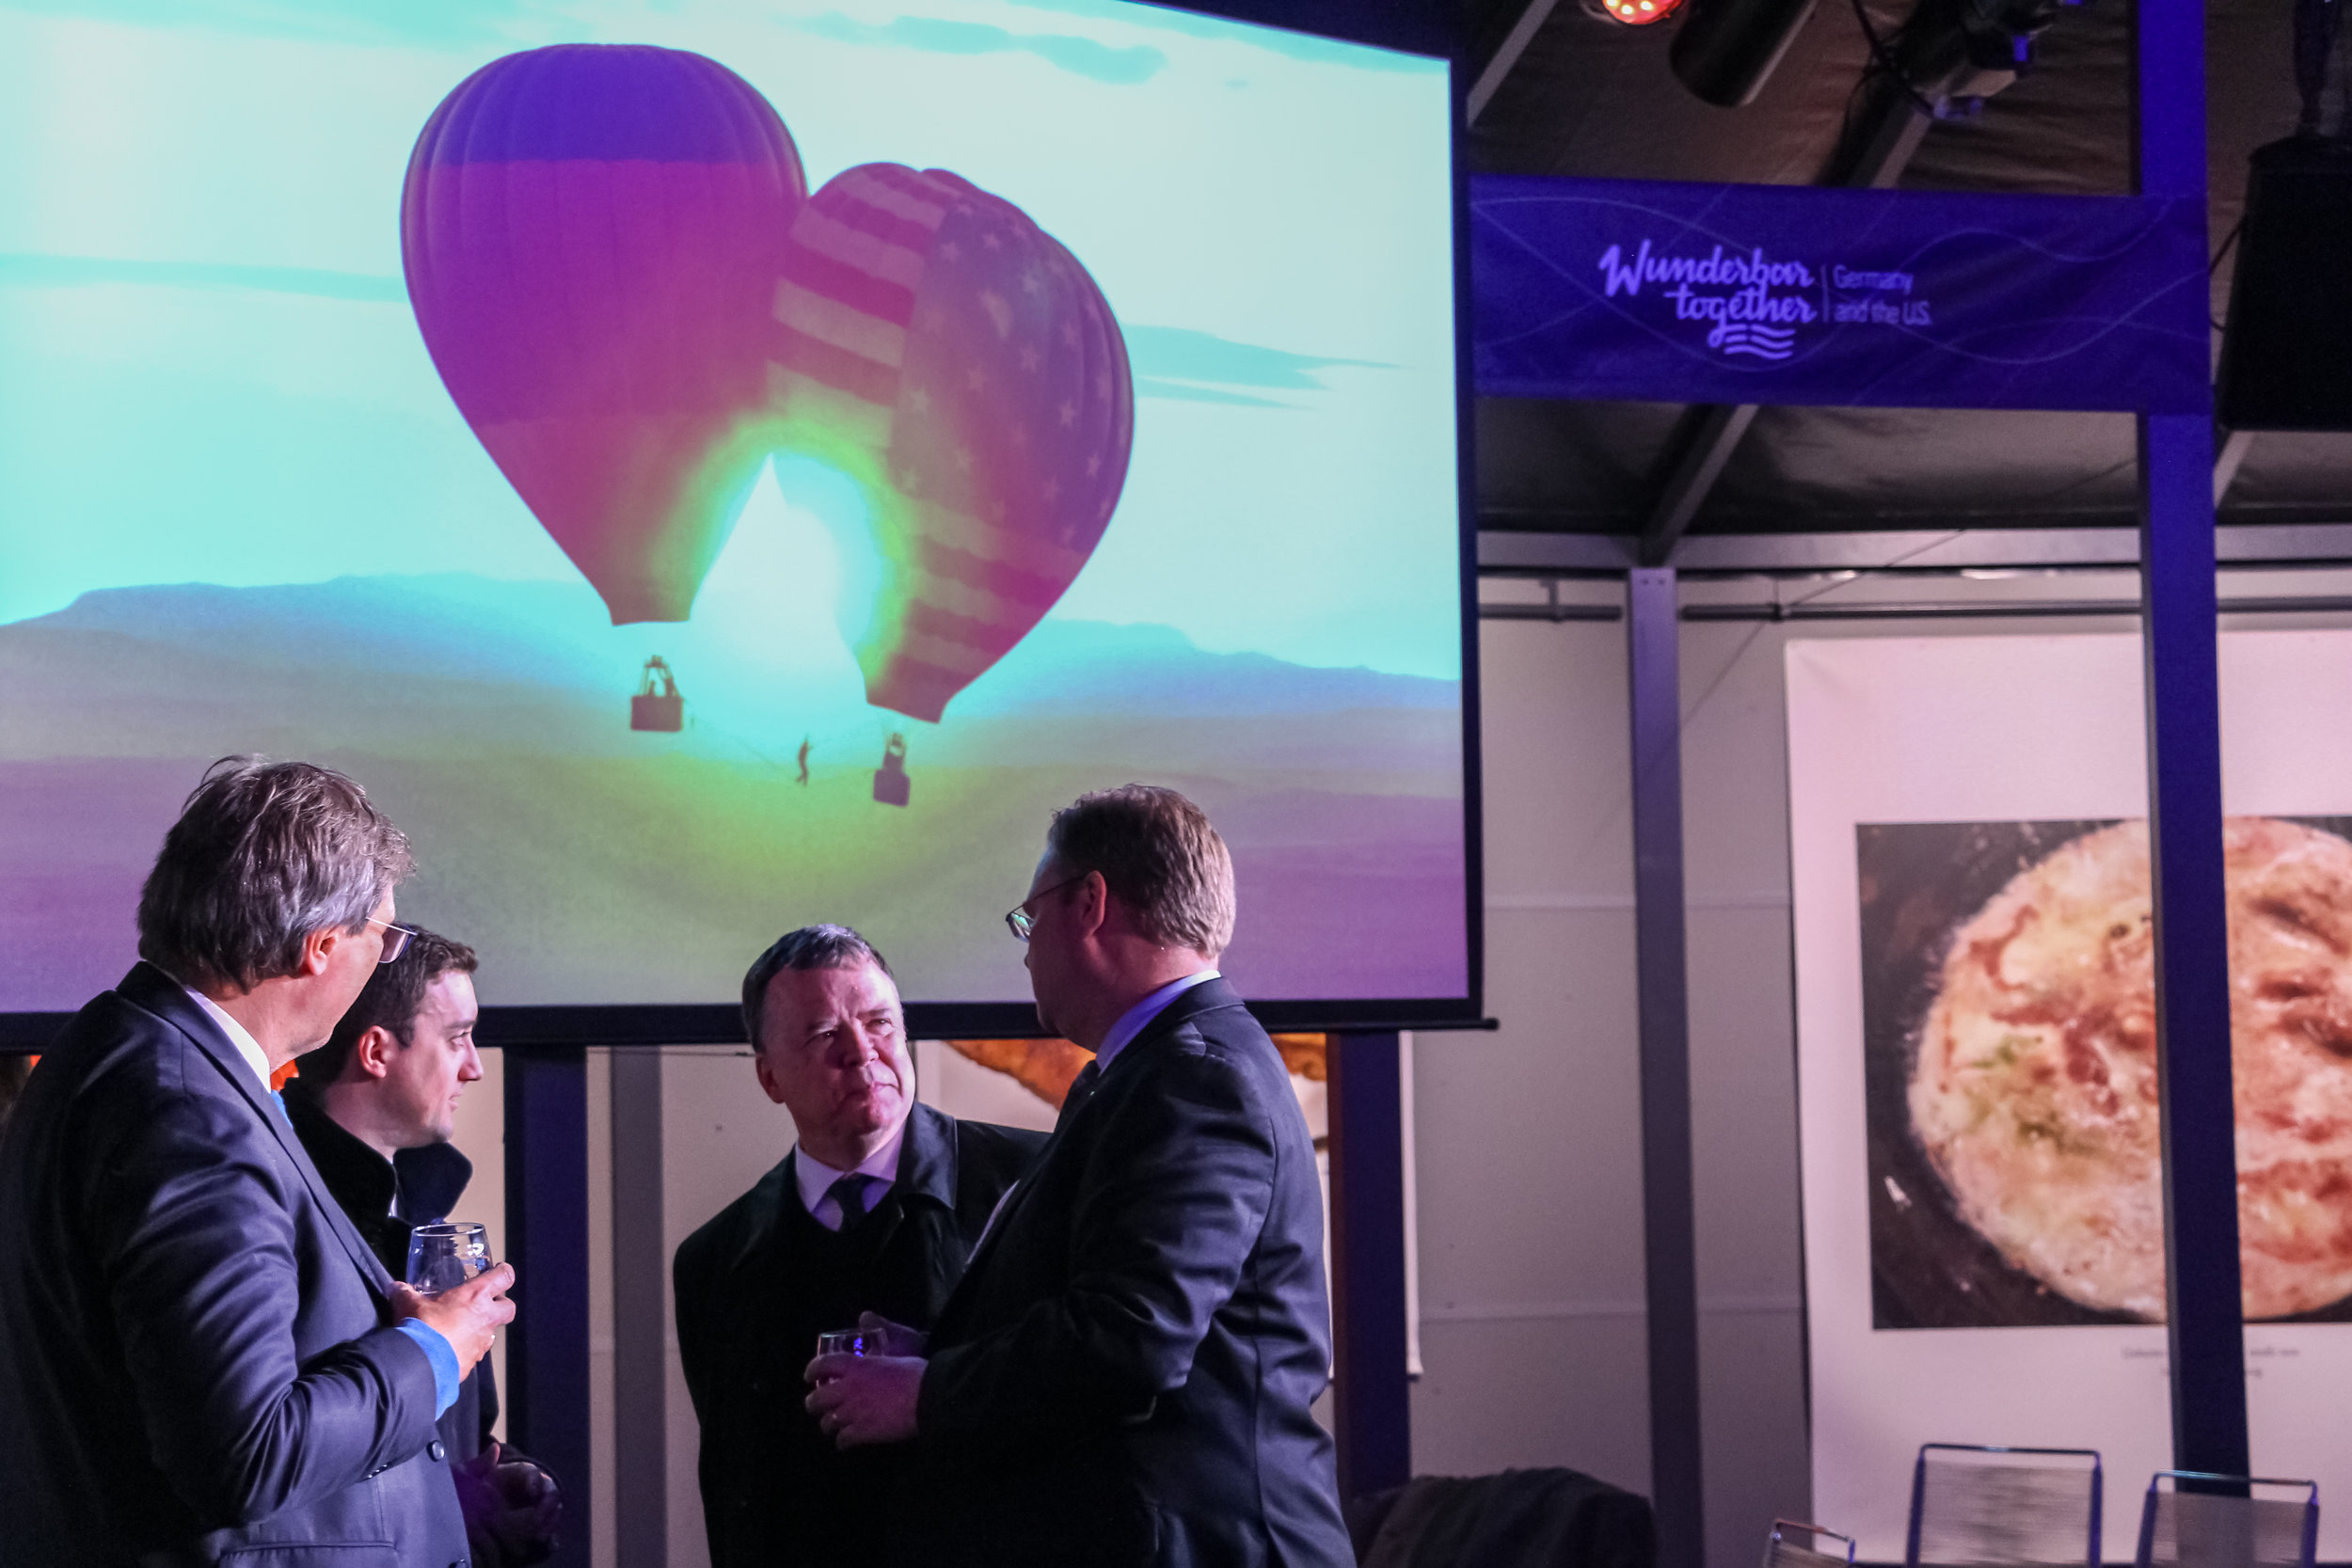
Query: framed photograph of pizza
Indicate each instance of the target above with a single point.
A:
(1984, 1253)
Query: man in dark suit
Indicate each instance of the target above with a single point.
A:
(376, 1108)
(1124, 1375)
(201, 1361)
(872, 1213)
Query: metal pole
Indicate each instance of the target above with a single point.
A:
(641, 1283)
(2176, 493)
(546, 1220)
(1670, 1246)
(1371, 1397)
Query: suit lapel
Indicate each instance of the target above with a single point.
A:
(156, 991)
(1082, 1092)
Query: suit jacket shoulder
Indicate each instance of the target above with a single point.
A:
(145, 1172)
(989, 1159)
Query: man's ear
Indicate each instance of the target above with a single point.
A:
(767, 1075)
(1093, 905)
(372, 1052)
(318, 947)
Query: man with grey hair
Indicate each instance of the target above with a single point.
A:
(200, 1359)
(1124, 1374)
(870, 1216)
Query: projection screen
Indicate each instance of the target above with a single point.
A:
(710, 467)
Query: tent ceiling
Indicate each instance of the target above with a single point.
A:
(1592, 97)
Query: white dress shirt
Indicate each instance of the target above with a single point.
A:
(247, 1047)
(816, 1179)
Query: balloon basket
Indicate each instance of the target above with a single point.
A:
(657, 713)
(891, 784)
(658, 706)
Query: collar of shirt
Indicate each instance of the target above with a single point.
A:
(1132, 1021)
(247, 1047)
(815, 1178)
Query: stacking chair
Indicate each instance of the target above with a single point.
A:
(1781, 1551)
(1974, 1504)
(2208, 1521)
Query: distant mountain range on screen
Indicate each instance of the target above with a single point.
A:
(454, 652)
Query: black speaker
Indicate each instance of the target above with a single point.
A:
(2286, 355)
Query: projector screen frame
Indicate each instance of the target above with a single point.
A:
(1422, 28)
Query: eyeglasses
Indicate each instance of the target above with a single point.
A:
(1021, 922)
(395, 939)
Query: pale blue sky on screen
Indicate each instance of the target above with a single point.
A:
(209, 371)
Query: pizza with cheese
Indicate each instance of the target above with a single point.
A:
(2034, 1086)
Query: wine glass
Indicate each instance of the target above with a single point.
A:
(443, 1256)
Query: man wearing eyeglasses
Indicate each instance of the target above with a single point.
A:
(201, 1360)
(376, 1108)
(1124, 1374)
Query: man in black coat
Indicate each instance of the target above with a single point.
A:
(376, 1108)
(1124, 1375)
(201, 1361)
(872, 1213)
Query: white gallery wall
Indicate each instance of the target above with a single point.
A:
(1529, 1139)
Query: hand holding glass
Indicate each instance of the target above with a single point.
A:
(443, 1256)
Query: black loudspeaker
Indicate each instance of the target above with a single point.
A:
(2286, 355)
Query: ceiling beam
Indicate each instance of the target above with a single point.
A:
(2241, 545)
(1515, 44)
(1702, 444)
(2226, 459)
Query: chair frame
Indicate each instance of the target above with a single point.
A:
(1919, 1489)
(1816, 1531)
(2242, 1486)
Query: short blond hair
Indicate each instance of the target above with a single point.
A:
(1158, 853)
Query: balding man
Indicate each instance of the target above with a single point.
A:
(1125, 1373)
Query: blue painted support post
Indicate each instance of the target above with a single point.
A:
(1371, 1397)
(2203, 1306)
(1669, 1226)
(641, 1292)
(547, 1219)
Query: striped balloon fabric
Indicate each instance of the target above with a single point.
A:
(937, 343)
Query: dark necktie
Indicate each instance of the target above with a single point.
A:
(848, 1196)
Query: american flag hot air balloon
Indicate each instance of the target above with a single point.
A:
(933, 342)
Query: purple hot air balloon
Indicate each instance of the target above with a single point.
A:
(937, 343)
(591, 234)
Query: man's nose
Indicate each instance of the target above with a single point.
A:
(469, 1065)
(857, 1046)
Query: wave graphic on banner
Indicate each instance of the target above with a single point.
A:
(1764, 342)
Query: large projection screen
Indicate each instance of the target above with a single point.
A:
(743, 480)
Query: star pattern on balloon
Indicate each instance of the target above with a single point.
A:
(990, 370)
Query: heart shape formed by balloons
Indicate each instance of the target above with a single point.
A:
(635, 302)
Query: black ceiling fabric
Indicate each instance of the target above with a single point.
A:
(1594, 99)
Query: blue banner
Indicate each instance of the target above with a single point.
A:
(1800, 294)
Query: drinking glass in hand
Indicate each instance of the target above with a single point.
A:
(443, 1256)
